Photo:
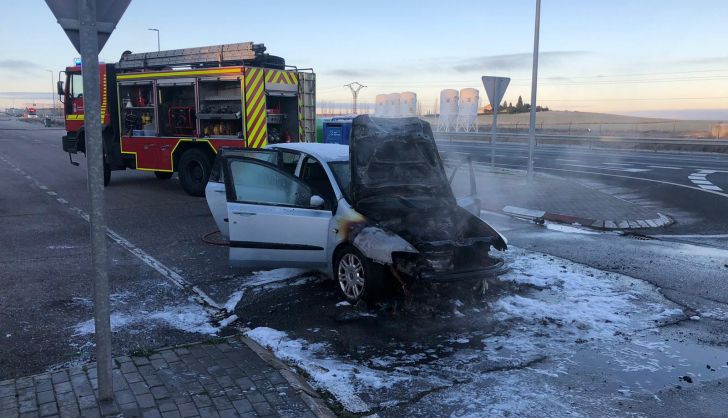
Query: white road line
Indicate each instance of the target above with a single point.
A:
(702, 182)
(627, 170)
(665, 167)
(147, 259)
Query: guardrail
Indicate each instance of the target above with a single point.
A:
(641, 143)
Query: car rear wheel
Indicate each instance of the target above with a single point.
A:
(194, 171)
(359, 278)
(163, 175)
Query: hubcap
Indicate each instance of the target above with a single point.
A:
(351, 276)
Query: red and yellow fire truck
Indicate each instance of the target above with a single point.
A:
(170, 111)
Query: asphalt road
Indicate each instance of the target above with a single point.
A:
(691, 187)
(439, 351)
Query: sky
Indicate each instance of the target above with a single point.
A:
(620, 56)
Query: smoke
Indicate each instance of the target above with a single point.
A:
(17, 65)
(510, 62)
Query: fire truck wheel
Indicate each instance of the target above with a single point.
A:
(194, 170)
(163, 175)
(107, 174)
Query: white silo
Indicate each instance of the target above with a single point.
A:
(392, 109)
(380, 105)
(448, 110)
(467, 120)
(407, 104)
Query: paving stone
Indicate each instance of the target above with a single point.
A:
(242, 405)
(202, 401)
(139, 388)
(171, 414)
(182, 351)
(133, 377)
(129, 367)
(45, 397)
(159, 363)
(33, 414)
(8, 413)
(151, 413)
(66, 398)
(188, 410)
(209, 412)
(275, 377)
(170, 356)
(7, 390)
(146, 401)
(159, 392)
(222, 402)
(8, 402)
(262, 408)
(254, 396)
(59, 377)
(108, 408)
(86, 402)
(27, 406)
(124, 396)
(167, 405)
(244, 383)
(130, 409)
(229, 413)
(91, 413)
(139, 361)
(63, 387)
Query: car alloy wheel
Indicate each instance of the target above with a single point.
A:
(350, 273)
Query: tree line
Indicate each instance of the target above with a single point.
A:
(520, 107)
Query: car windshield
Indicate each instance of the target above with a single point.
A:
(342, 173)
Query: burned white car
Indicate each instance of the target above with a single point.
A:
(380, 209)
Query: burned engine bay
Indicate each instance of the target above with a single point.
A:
(399, 184)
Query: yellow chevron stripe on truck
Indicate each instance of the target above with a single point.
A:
(255, 112)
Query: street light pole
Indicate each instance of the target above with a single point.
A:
(156, 30)
(534, 83)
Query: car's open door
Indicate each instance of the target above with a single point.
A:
(274, 218)
(215, 189)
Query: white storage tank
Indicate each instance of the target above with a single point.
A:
(448, 110)
(380, 105)
(392, 109)
(407, 104)
(468, 110)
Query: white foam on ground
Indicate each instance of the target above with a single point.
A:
(189, 318)
(342, 380)
(573, 308)
(568, 229)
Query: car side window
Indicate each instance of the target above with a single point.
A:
(263, 184)
(313, 174)
(290, 161)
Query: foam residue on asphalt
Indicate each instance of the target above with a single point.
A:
(189, 318)
(576, 229)
(565, 309)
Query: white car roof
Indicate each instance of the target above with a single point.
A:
(322, 152)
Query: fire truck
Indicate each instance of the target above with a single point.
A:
(171, 111)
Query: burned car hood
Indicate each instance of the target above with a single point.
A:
(395, 157)
(398, 183)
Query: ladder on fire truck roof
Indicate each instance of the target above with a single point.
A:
(245, 53)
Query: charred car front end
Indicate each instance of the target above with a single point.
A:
(399, 185)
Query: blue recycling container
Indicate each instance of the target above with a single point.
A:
(337, 131)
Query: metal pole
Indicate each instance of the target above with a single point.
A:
(95, 154)
(493, 132)
(534, 82)
(156, 30)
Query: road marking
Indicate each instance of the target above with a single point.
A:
(147, 259)
(701, 180)
(665, 167)
(627, 170)
(691, 236)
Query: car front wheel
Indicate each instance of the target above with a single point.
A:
(359, 278)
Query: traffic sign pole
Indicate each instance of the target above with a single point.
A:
(88, 27)
(493, 134)
(95, 163)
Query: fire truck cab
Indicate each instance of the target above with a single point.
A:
(171, 111)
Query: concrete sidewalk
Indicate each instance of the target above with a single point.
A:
(228, 377)
(556, 199)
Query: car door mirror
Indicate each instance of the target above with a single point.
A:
(317, 202)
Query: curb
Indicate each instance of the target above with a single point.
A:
(298, 383)
(539, 216)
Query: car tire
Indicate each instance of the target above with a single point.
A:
(358, 277)
(194, 171)
(164, 175)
